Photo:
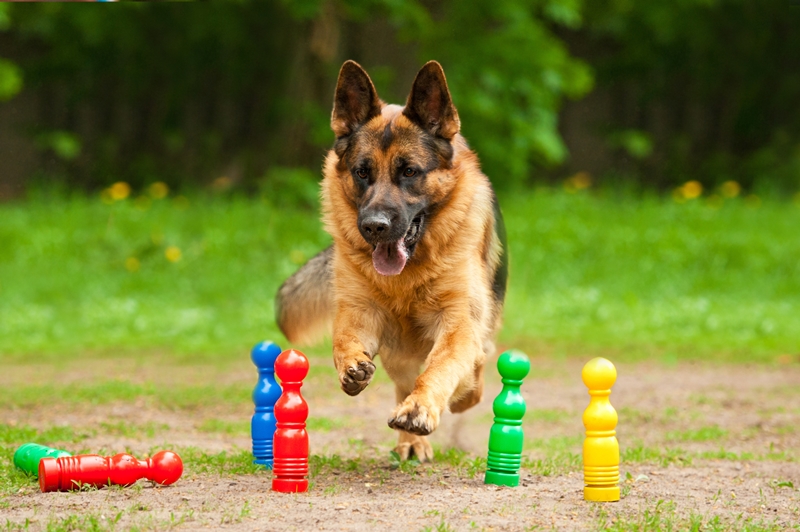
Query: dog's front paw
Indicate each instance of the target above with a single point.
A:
(415, 416)
(356, 375)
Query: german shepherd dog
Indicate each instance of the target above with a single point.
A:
(417, 269)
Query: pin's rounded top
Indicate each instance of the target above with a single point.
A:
(264, 354)
(167, 467)
(513, 365)
(599, 374)
(291, 366)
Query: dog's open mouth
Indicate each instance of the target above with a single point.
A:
(389, 258)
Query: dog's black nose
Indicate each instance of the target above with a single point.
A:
(375, 225)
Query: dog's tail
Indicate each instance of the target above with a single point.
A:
(304, 304)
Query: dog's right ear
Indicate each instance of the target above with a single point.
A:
(356, 100)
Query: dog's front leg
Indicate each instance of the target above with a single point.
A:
(451, 362)
(355, 342)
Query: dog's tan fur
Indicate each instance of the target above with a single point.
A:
(433, 324)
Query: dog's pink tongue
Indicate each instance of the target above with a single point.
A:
(389, 258)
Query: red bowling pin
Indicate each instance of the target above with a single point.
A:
(290, 444)
(72, 472)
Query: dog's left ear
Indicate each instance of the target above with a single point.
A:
(429, 105)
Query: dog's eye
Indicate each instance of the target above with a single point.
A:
(361, 173)
(409, 172)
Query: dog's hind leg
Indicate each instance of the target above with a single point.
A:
(409, 444)
(304, 304)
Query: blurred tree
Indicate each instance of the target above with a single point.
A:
(506, 69)
(187, 92)
(712, 85)
(697, 89)
(10, 75)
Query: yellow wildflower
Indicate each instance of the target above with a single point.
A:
(730, 189)
(579, 181)
(692, 189)
(173, 254)
(158, 190)
(132, 264)
(119, 190)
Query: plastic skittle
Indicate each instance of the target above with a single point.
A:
(600, 448)
(290, 463)
(505, 438)
(265, 394)
(28, 455)
(72, 472)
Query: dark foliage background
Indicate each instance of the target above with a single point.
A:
(238, 94)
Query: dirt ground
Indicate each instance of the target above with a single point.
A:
(746, 419)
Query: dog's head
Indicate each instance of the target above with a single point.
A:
(392, 161)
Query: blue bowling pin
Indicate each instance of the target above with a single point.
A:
(265, 394)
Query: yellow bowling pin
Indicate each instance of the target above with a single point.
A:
(600, 448)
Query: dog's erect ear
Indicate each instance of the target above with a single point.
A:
(429, 105)
(356, 100)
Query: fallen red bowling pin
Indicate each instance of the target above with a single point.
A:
(72, 472)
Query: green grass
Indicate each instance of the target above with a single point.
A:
(104, 392)
(664, 516)
(702, 434)
(644, 276)
(242, 427)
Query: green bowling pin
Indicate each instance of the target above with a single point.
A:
(506, 438)
(28, 455)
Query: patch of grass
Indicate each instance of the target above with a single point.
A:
(776, 484)
(666, 455)
(242, 427)
(10, 526)
(663, 456)
(635, 416)
(326, 424)
(451, 456)
(556, 444)
(197, 461)
(133, 430)
(686, 274)
(12, 480)
(711, 433)
(78, 275)
(105, 392)
(322, 464)
(722, 454)
(558, 464)
(232, 517)
(13, 434)
(408, 467)
(700, 399)
(664, 516)
(84, 522)
(441, 526)
(463, 462)
(213, 425)
(547, 415)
